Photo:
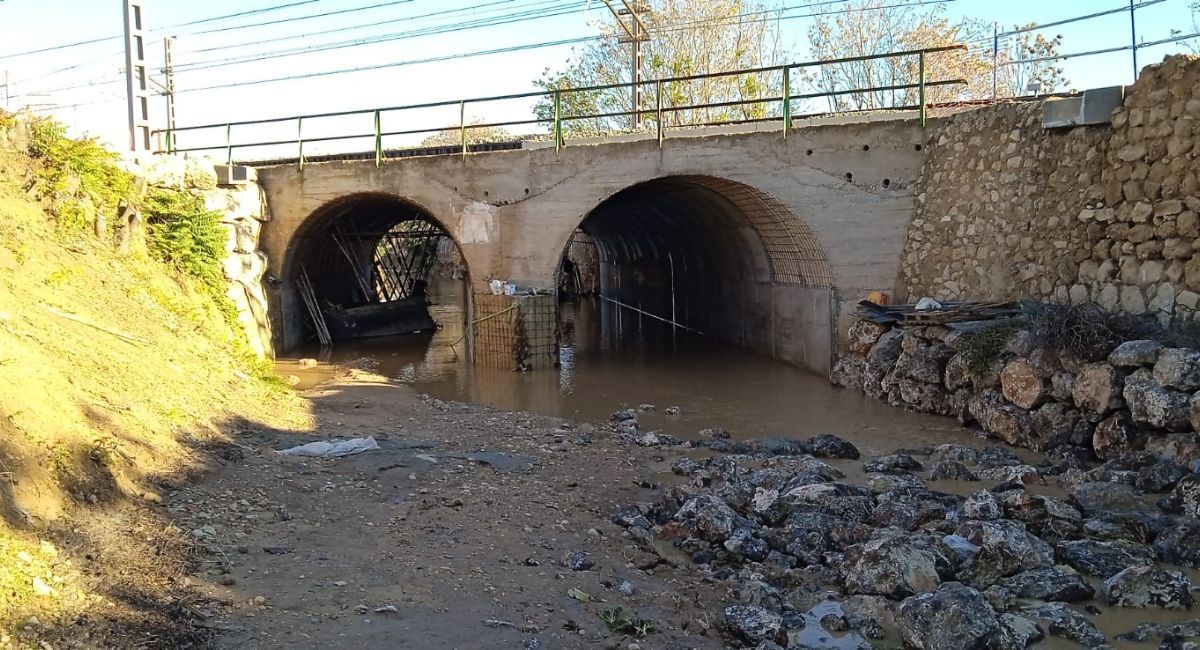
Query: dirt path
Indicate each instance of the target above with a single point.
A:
(417, 545)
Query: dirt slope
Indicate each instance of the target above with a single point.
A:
(115, 377)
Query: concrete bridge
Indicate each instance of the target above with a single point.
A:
(763, 241)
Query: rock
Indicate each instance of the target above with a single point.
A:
(847, 372)
(892, 463)
(1048, 518)
(1062, 621)
(1178, 368)
(1116, 436)
(1155, 405)
(1180, 448)
(1143, 586)
(1007, 548)
(743, 544)
(951, 470)
(1021, 385)
(1137, 527)
(686, 467)
(1135, 354)
(827, 445)
(1097, 388)
(921, 361)
(864, 334)
(955, 617)
(1159, 477)
(1185, 497)
(1010, 423)
(997, 456)
(1017, 632)
(1056, 424)
(958, 373)
(895, 567)
(955, 452)
(982, 505)
(578, 560)
(1180, 544)
(1024, 474)
(631, 517)
(754, 624)
(779, 446)
(1050, 583)
(880, 361)
(1104, 498)
(709, 518)
(1104, 559)
(624, 415)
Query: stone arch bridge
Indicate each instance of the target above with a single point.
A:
(768, 241)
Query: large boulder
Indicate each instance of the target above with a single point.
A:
(1056, 424)
(1180, 544)
(1152, 404)
(1051, 583)
(1143, 586)
(1021, 384)
(880, 361)
(1010, 423)
(1104, 498)
(1135, 354)
(827, 445)
(1185, 498)
(1181, 448)
(863, 335)
(892, 464)
(709, 518)
(1178, 368)
(955, 617)
(1097, 388)
(895, 567)
(1006, 548)
(754, 624)
(920, 360)
(1104, 559)
(1062, 621)
(1116, 436)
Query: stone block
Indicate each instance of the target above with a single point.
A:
(1178, 368)
(1097, 388)
(1021, 384)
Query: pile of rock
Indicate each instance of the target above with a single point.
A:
(1142, 396)
(809, 555)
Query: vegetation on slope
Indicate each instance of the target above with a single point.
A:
(120, 371)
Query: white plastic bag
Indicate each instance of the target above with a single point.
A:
(333, 448)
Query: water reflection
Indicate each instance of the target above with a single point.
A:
(611, 360)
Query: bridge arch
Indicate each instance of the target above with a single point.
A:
(718, 256)
(364, 248)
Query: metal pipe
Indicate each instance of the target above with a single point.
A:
(1133, 37)
(300, 141)
(462, 126)
(995, 56)
(921, 81)
(229, 144)
(787, 103)
(658, 106)
(558, 127)
(378, 140)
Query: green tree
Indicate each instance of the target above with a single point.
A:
(687, 37)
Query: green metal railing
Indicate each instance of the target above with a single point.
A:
(555, 123)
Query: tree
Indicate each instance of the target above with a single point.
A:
(869, 27)
(475, 135)
(687, 37)
(1028, 59)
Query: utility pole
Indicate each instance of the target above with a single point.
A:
(136, 88)
(1133, 37)
(7, 91)
(636, 33)
(169, 90)
(995, 56)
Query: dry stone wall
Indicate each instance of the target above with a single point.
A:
(1109, 214)
(1140, 396)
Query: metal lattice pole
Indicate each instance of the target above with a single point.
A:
(136, 81)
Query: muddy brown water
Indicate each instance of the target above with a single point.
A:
(607, 365)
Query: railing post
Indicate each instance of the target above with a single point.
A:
(462, 126)
(378, 140)
(300, 141)
(228, 144)
(558, 130)
(787, 101)
(658, 110)
(921, 84)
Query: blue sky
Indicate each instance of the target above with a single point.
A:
(42, 79)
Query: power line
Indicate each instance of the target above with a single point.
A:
(306, 17)
(102, 39)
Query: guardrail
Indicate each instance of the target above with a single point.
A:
(556, 122)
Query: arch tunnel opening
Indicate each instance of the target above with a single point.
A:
(369, 266)
(707, 257)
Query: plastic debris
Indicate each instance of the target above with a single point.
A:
(333, 448)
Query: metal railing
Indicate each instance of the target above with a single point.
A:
(557, 121)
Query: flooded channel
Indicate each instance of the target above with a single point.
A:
(612, 360)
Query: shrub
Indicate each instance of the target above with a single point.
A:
(186, 235)
(81, 178)
(982, 347)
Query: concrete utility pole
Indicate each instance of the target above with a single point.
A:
(1133, 36)
(636, 34)
(169, 90)
(136, 83)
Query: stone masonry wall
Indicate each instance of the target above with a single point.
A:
(1139, 395)
(1007, 209)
